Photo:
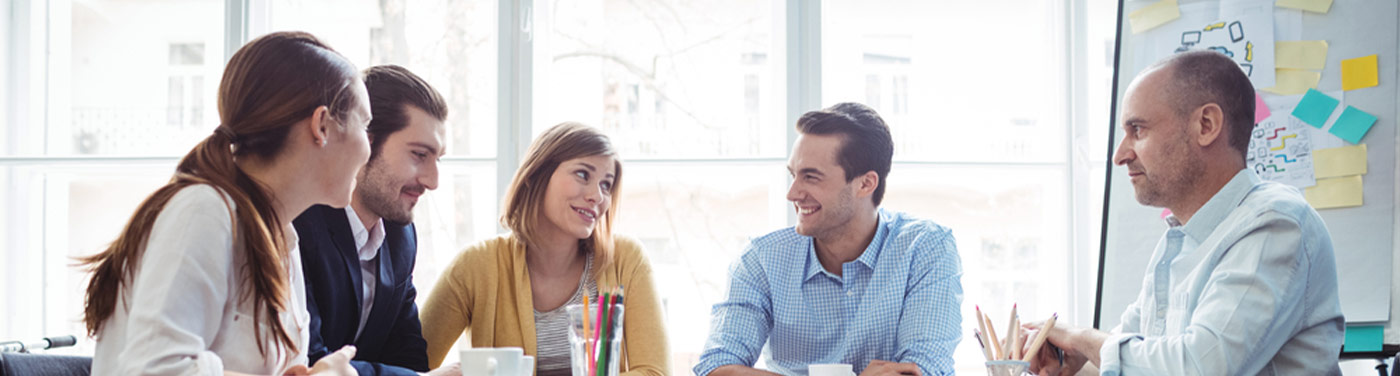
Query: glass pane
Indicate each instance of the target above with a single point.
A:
(1011, 226)
(957, 81)
(460, 212)
(666, 78)
(1098, 83)
(693, 221)
(450, 43)
(56, 214)
(126, 76)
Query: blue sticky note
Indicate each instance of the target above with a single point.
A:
(1353, 124)
(1363, 338)
(1315, 108)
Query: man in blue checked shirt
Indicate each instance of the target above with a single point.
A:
(1244, 282)
(852, 283)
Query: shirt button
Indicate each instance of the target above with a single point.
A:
(850, 293)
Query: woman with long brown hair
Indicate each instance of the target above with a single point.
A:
(512, 290)
(205, 278)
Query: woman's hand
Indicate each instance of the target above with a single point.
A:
(335, 364)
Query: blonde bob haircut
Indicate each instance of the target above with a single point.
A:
(524, 200)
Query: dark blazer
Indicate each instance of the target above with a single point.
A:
(392, 341)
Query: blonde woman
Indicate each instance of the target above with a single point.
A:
(511, 290)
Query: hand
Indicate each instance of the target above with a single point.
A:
(880, 367)
(336, 364)
(447, 370)
(1047, 361)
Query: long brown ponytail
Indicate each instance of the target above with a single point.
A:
(270, 84)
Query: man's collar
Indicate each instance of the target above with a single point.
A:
(1219, 206)
(867, 257)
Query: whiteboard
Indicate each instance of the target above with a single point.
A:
(1363, 237)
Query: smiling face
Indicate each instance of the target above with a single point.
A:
(820, 194)
(406, 166)
(578, 196)
(1162, 164)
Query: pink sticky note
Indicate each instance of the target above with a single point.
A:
(1261, 110)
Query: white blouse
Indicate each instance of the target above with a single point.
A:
(182, 312)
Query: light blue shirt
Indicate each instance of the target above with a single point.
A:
(899, 301)
(1247, 286)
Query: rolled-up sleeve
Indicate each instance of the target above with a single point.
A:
(930, 328)
(1247, 311)
(739, 324)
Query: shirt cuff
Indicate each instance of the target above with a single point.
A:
(1110, 355)
(209, 363)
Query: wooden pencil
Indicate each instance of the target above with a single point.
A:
(1010, 332)
(982, 334)
(1040, 338)
(996, 342)
(1017, 342)
(587, 328)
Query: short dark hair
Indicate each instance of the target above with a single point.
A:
(866, 144)
(1204, 76)
(391, 87)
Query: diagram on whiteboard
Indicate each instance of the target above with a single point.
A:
(1248, 40)
(1280, 150)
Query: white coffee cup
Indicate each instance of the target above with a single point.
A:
(835, 369)
(527, 366)
(503, 361)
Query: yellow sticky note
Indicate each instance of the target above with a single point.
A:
(1293, 81)
(1318, 6)
(1359, 73)
(1303, 54)
(1342, 161)
(1334, 192)
(1154, 15)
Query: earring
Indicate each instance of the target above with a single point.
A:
(322, 142)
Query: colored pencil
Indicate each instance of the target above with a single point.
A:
(1040, 338)
(1010, 332)
(982, 333)
(606, 343)
(1017, 342)
(597, 346)
(587, 327)
(992, 334)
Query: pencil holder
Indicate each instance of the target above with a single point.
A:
(593, 352)
(1007, 367)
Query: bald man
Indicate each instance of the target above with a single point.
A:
(1244, 281)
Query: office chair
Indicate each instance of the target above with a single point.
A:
(15, 359)
(22, 364)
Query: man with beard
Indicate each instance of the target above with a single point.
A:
(851, 283)
(1244, 281)
(359, 260)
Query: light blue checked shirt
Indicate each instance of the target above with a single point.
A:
(1247, 286)
(899, 301)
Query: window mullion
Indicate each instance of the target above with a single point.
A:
(516, 28)
(803, 43)
(235, 26)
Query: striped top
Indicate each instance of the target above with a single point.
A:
(552, 329)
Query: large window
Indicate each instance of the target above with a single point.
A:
(998, 109)
(977, 100)
(99, 99)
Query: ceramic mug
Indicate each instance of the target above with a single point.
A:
(504, 361)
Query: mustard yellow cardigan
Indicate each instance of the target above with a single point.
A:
(486, 291)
